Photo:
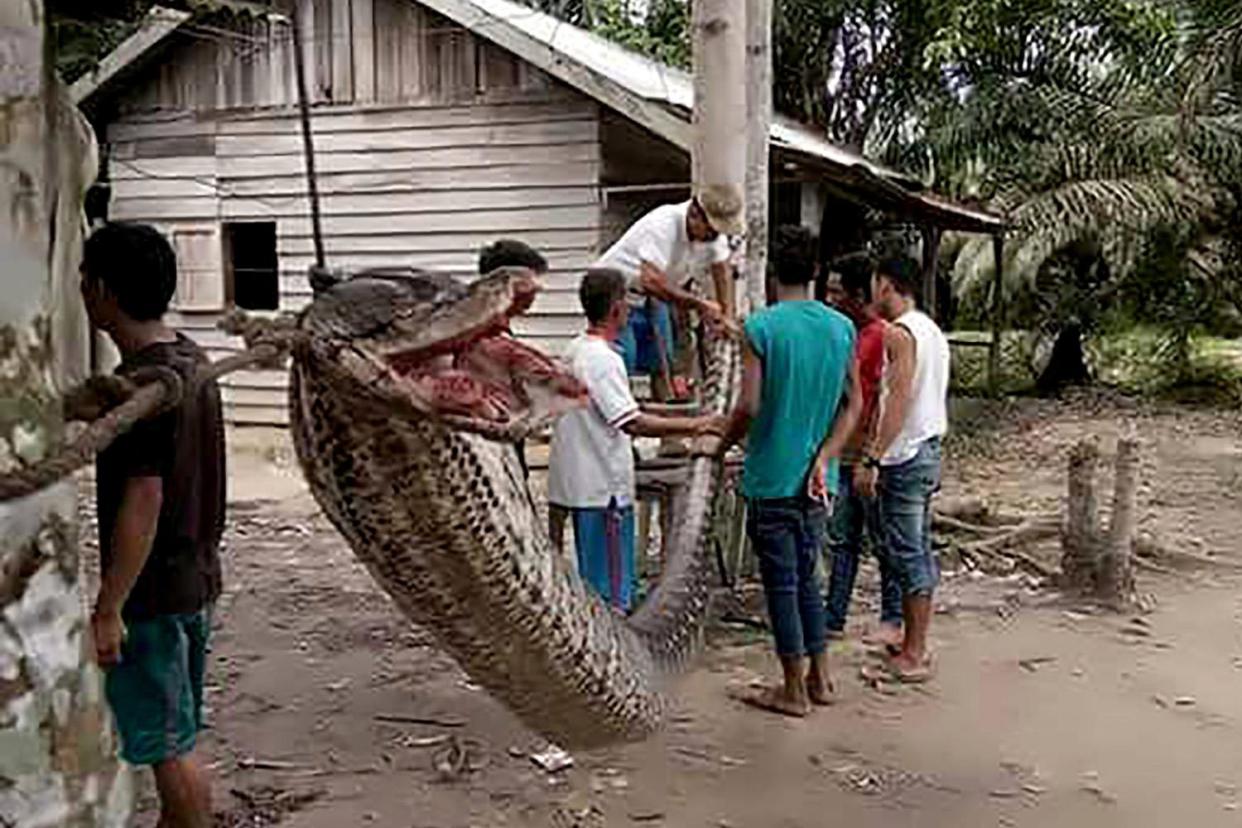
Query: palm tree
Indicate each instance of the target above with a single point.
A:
(1103, 146)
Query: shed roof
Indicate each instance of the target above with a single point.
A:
(655, 95)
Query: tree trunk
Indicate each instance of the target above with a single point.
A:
(1067, 365)
(759, 120)
(57, 763)
(1080, 541)
(1115, 583)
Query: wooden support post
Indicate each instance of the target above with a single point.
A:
(719, 145)
(759, 121)
(997, 313)
(931, 261)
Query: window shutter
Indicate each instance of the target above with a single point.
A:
(200, 274)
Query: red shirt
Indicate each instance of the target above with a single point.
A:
(869, 349)
(870, 362)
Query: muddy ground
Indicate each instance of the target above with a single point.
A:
(1045, 711)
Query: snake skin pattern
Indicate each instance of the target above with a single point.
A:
(444, 522)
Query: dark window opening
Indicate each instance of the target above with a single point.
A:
(786, 198)
(253, 278)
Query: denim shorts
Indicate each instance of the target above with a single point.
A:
(604, 539)
(905, 516)
(156, 691)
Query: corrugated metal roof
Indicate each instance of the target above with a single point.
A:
(658, 83)
(652, 80)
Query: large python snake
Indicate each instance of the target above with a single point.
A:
(427, 491)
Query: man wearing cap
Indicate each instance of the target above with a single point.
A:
(658, 255)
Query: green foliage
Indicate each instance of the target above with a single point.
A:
(662, 34)
(1016, 374)
(1116, 149)
(1137, 361)
(83, 31)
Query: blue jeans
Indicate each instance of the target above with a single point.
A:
(637, 341)
(787, 535)
(905, 494)
(854, 520)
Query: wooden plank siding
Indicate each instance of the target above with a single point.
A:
(365, 51)
(424, 184)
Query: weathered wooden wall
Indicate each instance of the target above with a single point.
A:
(361, 51)
(442, 144)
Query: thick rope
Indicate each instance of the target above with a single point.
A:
(149, 400)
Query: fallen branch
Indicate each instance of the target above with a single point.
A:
(999, 546)
(255, 763)
(1029, 532)
(1030, 563)
(1149, 566)
(1146, 548)
(949, 523)
(401, 718)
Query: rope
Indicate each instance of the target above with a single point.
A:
(148, 400)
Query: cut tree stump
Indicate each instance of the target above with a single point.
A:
(1080, 541)
(1094, 561)
(1115, 576)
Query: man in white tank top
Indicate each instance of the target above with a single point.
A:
(900, 469)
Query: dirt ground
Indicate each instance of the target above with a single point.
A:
(1044, 711)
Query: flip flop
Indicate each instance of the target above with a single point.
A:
(919, 675)
(765, 700)
(876, 677)
(885, 651)
(875, 639)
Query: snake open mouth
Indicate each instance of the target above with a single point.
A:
(444, 350)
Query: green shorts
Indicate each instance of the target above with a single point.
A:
(156, 691)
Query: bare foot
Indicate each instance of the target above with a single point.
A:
(821, 691)
(774, 700)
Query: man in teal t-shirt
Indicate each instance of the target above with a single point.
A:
(797, 412)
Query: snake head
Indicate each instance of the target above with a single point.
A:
(426, 345)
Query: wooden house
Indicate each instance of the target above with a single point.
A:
(440, 125)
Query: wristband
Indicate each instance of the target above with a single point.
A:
(870, 462)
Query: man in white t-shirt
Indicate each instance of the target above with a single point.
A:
(900, 466)
(659, 255)
(591, 468)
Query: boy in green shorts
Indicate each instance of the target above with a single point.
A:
(160, 497)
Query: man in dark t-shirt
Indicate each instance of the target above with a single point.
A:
(160, 496)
